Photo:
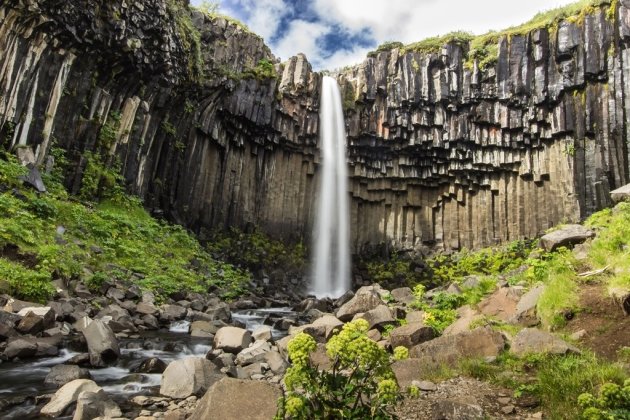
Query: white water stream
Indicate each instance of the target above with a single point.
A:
(331, 259)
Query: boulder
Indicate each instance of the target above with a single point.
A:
(329, 323)
(66, 395)
(414, 316)
(171, 313)
(202, 329)
(363, 301)
(151, 365)
(378, 317)
(92, 405)
(232, 339)
(410, 335)
(525, 312)
(403, 295)
(565, 236)
(221, 312)
(276, 362)
(150, 322)
(35, 320)
(501, 304)
(620, 194)
(312, 303)
(262, 333)
(9, 318)
(466, 316)
(102, 344)
(253, 354)
(20, 348)
(82, 323)
(16, 305)
(145, 308)
(62, 374)
(190, 376)
(114, 311)
(532, 340)
(449, 349)
(237, 399)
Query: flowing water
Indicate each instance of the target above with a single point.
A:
(331, 263)
(26, 378)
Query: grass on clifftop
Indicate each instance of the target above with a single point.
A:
(484, 48)
(44, 237)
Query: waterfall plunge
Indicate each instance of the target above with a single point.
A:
(331, 260)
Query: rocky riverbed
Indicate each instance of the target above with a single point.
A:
(122, 344)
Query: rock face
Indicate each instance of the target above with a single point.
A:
(442, 153)
(236, 399)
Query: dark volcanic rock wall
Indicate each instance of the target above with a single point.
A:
(211, 147)
(458, 157)
(440, 155)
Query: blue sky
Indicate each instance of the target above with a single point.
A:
(336, 33)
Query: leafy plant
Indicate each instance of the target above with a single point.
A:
(359, 384)
(114, 238)
(613, 402)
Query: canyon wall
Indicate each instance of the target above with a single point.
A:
(441, 155)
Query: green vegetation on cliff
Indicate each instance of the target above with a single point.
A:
(53, 236)
(484, 48)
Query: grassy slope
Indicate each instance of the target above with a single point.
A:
(556, 380)
(113, 239)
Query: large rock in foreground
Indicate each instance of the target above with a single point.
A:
(235, 399)
(66, 395)
(478, 343)
(189, 376)
(102, 343)
(565, 236)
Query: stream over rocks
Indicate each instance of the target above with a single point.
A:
(137, 371)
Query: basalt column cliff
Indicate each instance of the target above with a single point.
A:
(441, 152)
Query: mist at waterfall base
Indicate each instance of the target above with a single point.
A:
(330, 276)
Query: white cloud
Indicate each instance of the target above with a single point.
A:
(263, 16)
(301, 37)
(343, 58)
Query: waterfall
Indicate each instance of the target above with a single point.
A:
(331, 258)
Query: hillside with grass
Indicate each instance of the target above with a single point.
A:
(53, 236)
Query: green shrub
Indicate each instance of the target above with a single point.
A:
(360, 383)
(133, 247)
(256, 250)
(613, 402)
(24, 283)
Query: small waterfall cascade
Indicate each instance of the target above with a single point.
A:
(330, 275)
